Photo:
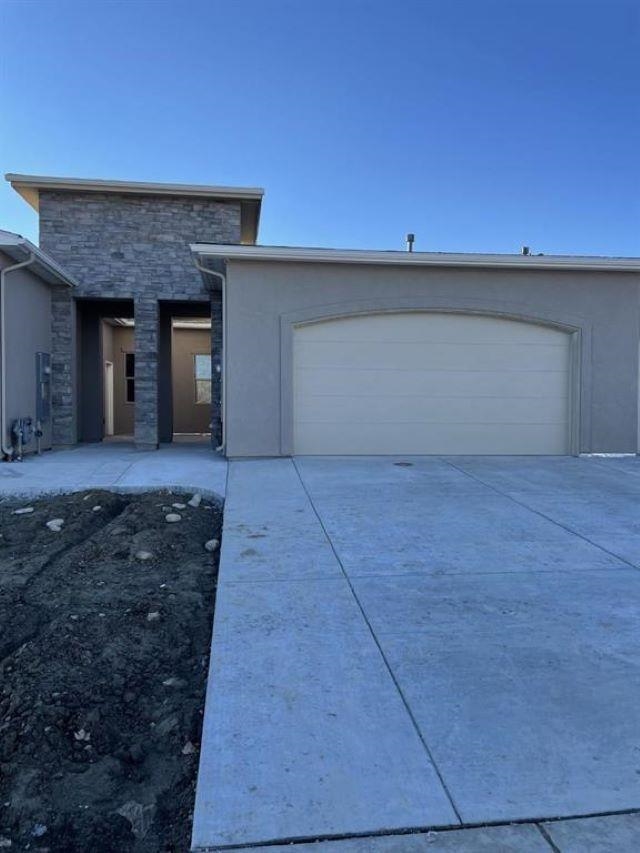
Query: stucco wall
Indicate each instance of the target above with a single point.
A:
(28, 331)
(188, 416)
(265, 300)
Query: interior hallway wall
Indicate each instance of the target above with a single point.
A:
(123, 412)
(189, 416)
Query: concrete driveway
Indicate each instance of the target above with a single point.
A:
(422, 643)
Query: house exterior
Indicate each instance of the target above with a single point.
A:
(350, 352)
(127, 246)
(319, 351)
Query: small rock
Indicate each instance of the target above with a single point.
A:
(86, 497)
(74, 617)
(38, 830)
(136, 752)
(5, 842)
(96, 508)
(172, 517)
(55, 524)
(118, 531)
(179, 506)
(195, 500)
(153, 616)
(177, 683)
(144, 555)
(24, 510)
(140, 817)
(188, 748)
(82, 735)
(211, 545)
(165, 726)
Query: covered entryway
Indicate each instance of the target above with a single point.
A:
(431, 383)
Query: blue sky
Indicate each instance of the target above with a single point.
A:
(480, 125)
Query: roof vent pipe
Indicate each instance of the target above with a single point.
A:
(410, 240)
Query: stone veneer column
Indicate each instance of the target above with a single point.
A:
(216, 368)
(63, 366)
(146, 313)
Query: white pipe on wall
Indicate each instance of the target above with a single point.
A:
(7, 449)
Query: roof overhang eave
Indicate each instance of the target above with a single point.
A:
(20, 249)
(420, 259)
(29, 186)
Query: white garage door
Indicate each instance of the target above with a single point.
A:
(430, 383)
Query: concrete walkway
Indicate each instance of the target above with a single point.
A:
(116, 466)
(424, 646)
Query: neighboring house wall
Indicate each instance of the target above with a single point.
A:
(129, 247)
(265, 299)
(28, 331)
(188, 416)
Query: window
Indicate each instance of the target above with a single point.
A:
(202, 376)
(130, 377)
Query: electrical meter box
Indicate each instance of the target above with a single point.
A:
(43, 386)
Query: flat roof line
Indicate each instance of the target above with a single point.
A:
(250, 198)
(28, 186)
(403, 258)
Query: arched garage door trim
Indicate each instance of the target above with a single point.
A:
(579, 348)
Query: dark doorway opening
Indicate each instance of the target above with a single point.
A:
(186, 373)
(106, 369)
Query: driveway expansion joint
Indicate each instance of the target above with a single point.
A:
(543, 832)
(414, 722)
(298, 841)
(541, 514)
(370, 605)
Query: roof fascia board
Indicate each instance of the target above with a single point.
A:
(29, 186)
(436, 259)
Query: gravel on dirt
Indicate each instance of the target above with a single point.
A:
(103, 662)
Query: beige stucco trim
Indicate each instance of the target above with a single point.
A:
(435, 259)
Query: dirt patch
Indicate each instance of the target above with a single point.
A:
(104, 637)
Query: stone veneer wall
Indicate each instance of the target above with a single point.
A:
(130, 247)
